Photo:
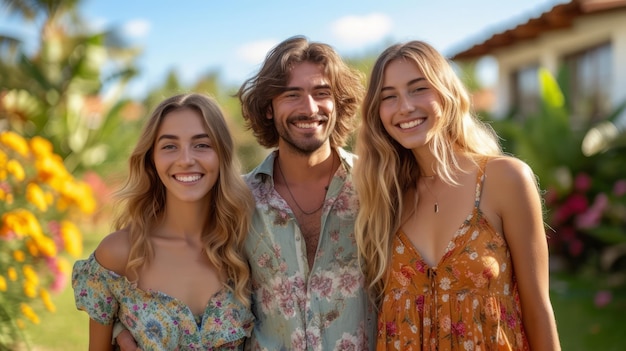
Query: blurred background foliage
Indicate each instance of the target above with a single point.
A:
(70, 91)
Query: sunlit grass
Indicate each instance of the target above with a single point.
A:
(582, 325)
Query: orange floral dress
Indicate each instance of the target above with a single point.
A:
(468, 301)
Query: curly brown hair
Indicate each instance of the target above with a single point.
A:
(257, 92)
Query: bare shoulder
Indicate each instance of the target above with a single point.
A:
(112, 252)
(509, 178)
(509, 171)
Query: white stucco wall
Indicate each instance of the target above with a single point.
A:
(547, 51)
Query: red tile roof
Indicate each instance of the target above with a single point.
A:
(558, 17)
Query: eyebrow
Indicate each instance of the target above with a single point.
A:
(411, 82)
(174, 137)
(316, 87)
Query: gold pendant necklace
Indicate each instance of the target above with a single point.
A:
(436, 207)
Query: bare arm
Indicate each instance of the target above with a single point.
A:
(523, 227)
(100, 336)
(126, 341)
(112, 253)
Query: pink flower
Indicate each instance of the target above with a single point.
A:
(591, 217)
(561, 215)
(458, 329)
(392, 329)
(566, 233)
(577, 203)
(619, 188)
(603, 298)
(575, 247)
(582, 182)
(59, 278)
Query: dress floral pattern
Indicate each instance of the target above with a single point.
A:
(468, 301)
(156, 320)
(297, 308)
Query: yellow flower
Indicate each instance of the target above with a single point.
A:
(12, 274)
(64, 265)
(15, 168)
(46, 246)
(3, 158)
(19, 255)
(30, 289)
(72, 238)
(84, 198)
(49, 197)
(29, 313)
(41, 147)
(32, 248)
(75, 193)
(15, 142)
(36, 196)
(30, 274)
(51, 169)
(21, 222)
(47, 301)
(37, 193)
(3, 165)
(9, 199)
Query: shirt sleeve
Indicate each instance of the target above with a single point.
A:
(92, 292)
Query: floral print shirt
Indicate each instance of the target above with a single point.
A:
(468, 301)
(156, 320)
(325, 308)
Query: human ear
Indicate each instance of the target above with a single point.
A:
(269, 114)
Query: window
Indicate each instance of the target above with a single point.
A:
(526, 98)
(590, 75)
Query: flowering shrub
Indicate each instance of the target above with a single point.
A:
(38, 200)
(587, 218)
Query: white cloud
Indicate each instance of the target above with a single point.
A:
(355, 31)
(136, 28)
(254, 52)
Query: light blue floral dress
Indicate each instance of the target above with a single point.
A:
(158, 321)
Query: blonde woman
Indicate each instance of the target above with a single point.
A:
(450, 229)
(174, 272)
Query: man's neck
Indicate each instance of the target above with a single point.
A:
(305, 166)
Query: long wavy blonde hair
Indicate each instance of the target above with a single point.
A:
(385, 170)
(142, 197)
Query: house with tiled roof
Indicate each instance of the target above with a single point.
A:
(584, 39)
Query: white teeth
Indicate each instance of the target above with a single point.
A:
(407, 125)
(306, 125)
(187, 179)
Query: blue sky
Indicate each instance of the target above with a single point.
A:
(232, 36)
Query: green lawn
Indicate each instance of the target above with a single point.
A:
(582, 326)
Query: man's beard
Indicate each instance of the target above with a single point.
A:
(305, 146)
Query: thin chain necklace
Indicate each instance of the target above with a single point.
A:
(436, 207)
(330, 177)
